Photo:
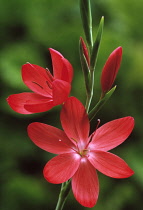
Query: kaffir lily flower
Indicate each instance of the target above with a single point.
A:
(79, 155)
(110, 69)
(49, 90)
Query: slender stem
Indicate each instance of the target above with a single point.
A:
(65, 189)
(90, 95)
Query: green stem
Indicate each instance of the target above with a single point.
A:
(90, 94)
(65, 189)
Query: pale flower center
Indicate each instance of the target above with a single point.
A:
(83, 152)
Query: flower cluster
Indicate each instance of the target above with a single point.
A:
(79, 153)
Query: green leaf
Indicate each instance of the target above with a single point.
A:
(85, 10)
(96, 45)
(101, 102)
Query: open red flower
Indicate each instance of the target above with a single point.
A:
(49, 90)
(110, 69)
(80, 154)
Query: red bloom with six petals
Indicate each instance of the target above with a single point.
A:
(80, 154)
(49, 90)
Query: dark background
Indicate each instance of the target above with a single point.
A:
(28, 29)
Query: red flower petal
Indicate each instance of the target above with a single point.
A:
(18, 101)
(37, 79)
(110, 69)
(49, 138)
(62, 69)
(61, 168)
(39, 105)
(110, 164)
(75, 121)
(85, 184)
(111, 134)
(61, 90)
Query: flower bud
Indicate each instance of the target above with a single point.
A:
(110, 69)
(85, 50)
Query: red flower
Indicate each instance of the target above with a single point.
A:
(49, 90)
(110, 69)
(80, 155)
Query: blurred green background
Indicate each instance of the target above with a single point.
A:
(28, 29)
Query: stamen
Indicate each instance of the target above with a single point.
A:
(50, 79)
(84, 153)
(76, 143)
(49, 74)
(37, 84)
(74, 140)
(98, 122)
(49, 84)
(91, 136)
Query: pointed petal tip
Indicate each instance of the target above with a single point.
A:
(62, 68)
(128, 174)
(7, 99)
(86, 188)
(132, 172)
(118, 51)
(26, 64)
(51, 49)
(53, 52)
(131, 120)
(119, 48)
(110, 165)
(16, 103)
